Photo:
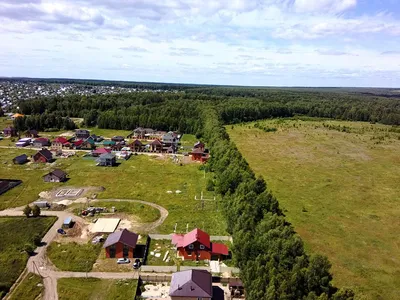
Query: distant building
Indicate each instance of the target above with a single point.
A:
(107, 160)
(55, 176)
(21, 159)
(156, 146)
(100, 151)
(136, 146)
(60, 143)
(191, 285)
(10, 131)
(118, 139)
(199, 155)
(41, 142)
(17, 115)
(43, 156)
(141, 133)
(121, 244)
(82, 134)
(31, 133)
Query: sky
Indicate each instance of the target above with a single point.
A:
(235, 42)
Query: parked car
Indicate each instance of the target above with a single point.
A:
(123, 261)
(137, 264)
(61, 231)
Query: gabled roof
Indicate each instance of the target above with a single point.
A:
(198, 144)
(17, 115)
(9, 128)
(58, 173)
(78, 142)
(197, 151)
(82, 131)
(195, 235)
(107, 156)
(46, 154)
(61, 140)
(219, 249)
(101, 151)
(156, 142)
(137, 142)
(191, 283)
(125, 237)
(41, 140)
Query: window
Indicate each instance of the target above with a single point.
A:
(191, 246)
(202, 247)
(189, 253)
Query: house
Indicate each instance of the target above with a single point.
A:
(82, 134)
(140, 133)
(106, 160)
(17, 115)
(77, 144)
(60, 143)
(96, 138)
(43, 156)
(120, 244)
(89, 144)
(31, 133)
(196, 245)
(21, 159)
(170, 139)
(100, 151)
(199, 145)
(55, 176)
(118, 139)
(10, 131)
(156, 146)
(136, 146)
(191, 284)
(23, 142)
(200, 155)
(41, 142)
(108, 143)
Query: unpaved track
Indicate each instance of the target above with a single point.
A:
(38, 264)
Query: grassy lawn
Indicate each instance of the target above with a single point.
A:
(73, 257)
(141, 177)
(109, 133)
(29, 288)
(161, 246)
(144, 213)
(338, 183)
(188, 140)
(15, 232)
(96, 289)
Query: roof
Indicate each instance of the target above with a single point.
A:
(105, 225)
(46, 153)
(17, 115)
(101, 151)
(197, 151)
(68, 220)
(198, 144)
(41, 140)
(61, 140)
(195, 235)
(32, 131)
(108, 143)
(191, 283)
(58, 173)
(9, 128)
(156, 142)
(82, 131)
(219, 249)
(137, 142)
(107, 155)
(78, 142)
(125, 237)
(21, 158)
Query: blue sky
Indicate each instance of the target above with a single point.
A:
(239, 42)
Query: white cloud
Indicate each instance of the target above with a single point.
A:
(333, 6)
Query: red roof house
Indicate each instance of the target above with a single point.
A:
(100, 151)
(121, 244)
(196, 245)
(198, 154)
(59, 143)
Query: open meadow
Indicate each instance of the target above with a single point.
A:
(338, 184)
(96, 289)
(15, 234)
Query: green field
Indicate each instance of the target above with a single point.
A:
(141, 177)
(15, 233)
(338, 183)
(144, 213)
(73, 256)
(95, 289)
(29, 288)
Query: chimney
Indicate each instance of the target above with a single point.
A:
(191, 288)
(179, 287)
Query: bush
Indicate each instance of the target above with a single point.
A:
(35, 211)
(28, 248)
(27, 211)
(210, 185)
(37, 240)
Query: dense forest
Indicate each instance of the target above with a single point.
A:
(271, 256)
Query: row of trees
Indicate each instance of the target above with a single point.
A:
(44, 122)
(269, 253)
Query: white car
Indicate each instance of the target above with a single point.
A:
(123, 261)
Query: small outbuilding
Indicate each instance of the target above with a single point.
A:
(68, 222)
(55, 176)
(31, 133)
(21, 159)
(121, 244)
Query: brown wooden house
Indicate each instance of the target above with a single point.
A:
(55, 176)
(121, 244)
(136, 146)
(43, 156)
(156, 146)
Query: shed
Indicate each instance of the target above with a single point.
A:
(68, 223)
(21, 159)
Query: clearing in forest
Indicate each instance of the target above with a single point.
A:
(338, 184)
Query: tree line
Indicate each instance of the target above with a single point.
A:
(44, 122)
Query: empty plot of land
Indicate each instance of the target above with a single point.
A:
(105, 225)
(338, 183)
